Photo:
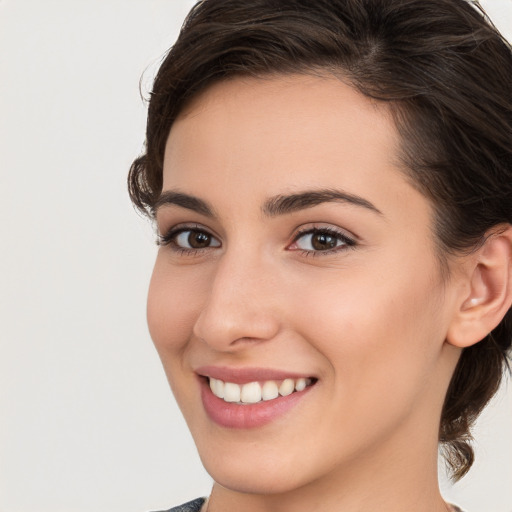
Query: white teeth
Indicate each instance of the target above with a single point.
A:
(254, 392)
(269, 390)
(300, 384)
(287, 387)
(251, 393)
(231, 392)
(217, 387)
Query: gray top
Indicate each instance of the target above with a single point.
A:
(191, 506)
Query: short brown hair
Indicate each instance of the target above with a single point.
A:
(445, 73)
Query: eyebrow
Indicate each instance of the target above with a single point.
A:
(284, 204)
(273, 207)
(184, 201)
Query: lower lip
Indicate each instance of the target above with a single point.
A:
(233, 415)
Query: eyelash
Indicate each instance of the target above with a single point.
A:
(169, 239)
(347, 242)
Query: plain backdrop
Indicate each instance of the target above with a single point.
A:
(87, 421)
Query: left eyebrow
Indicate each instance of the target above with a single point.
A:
(283, 204)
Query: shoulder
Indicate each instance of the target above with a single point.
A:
(191, 506)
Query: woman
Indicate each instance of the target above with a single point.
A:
(332, 186)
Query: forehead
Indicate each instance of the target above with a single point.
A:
(320, 101)
(269, 136)
(281, 112)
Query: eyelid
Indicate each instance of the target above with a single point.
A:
(166, 238)
(349, 240)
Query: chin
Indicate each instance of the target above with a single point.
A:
(253, 468)
(245, 478)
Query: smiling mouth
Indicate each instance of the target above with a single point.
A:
(255, 392)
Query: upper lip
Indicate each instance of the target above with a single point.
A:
(248, 374)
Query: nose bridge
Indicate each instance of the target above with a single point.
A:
(240, 300)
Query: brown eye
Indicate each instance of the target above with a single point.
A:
(323, 241)
(194, 239)
(198, 239)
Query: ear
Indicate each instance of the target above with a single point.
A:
(489, 276)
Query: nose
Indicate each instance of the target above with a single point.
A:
(240, 306)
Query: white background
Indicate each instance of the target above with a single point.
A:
(87, 421)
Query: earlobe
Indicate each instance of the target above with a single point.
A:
(490, 291)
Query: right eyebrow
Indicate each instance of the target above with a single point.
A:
(184, 201)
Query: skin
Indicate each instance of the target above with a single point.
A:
(370, 320)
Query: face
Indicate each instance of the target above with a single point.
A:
(297, 276)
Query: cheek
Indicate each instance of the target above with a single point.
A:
(173, 302)
(381, 336)
(174, 299)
